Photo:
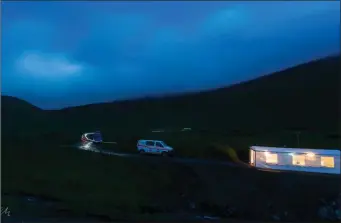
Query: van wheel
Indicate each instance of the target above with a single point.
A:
(141, 151)
(164, 154)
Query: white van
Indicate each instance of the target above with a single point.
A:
(154, 147)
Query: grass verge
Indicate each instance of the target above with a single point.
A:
(128, 188)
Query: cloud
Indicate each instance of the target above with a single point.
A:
(125, 50)
(47, 65)
(111, 38)
(28, 34)
(269, 19)
(229, 20)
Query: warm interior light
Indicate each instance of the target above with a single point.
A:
(252, 157)
(310, 155)
(327, 161)
(271, 158)
(298, 160)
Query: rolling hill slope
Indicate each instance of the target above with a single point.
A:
(21, 119)
(304, 97)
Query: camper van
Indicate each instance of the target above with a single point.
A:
(154, 147)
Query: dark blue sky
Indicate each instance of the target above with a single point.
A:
(57, 54)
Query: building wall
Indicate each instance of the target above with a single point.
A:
(285, 162)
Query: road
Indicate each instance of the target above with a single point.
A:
(173, 159)
(185, 160)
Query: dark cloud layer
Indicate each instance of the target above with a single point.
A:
(57, 54)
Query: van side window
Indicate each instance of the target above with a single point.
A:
(149, 143)
(158, 144)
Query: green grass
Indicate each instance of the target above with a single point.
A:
(119, 187)
(87, 181)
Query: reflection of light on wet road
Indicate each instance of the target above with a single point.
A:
(92, 148)
(89, 147)
(207, 217)
(114, 154)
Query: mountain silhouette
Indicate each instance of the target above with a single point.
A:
(304, 97)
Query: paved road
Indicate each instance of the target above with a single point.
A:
(181, 159)
(173, 159)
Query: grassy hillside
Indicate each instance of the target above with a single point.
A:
(304, 97)
(271, 107)
(20, 120)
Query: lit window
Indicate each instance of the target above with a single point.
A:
(298, 160)
(312, 160)
(311, 156)
(271, 158)
(327, 161)
(252, 157)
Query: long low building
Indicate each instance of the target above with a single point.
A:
(296, 159)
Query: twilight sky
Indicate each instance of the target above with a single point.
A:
(58, 54)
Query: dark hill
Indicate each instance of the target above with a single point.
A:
(304, 97)
(12, 105)
(19, 119)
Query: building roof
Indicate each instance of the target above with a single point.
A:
(334, 152)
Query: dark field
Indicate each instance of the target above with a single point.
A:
(89, 184)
